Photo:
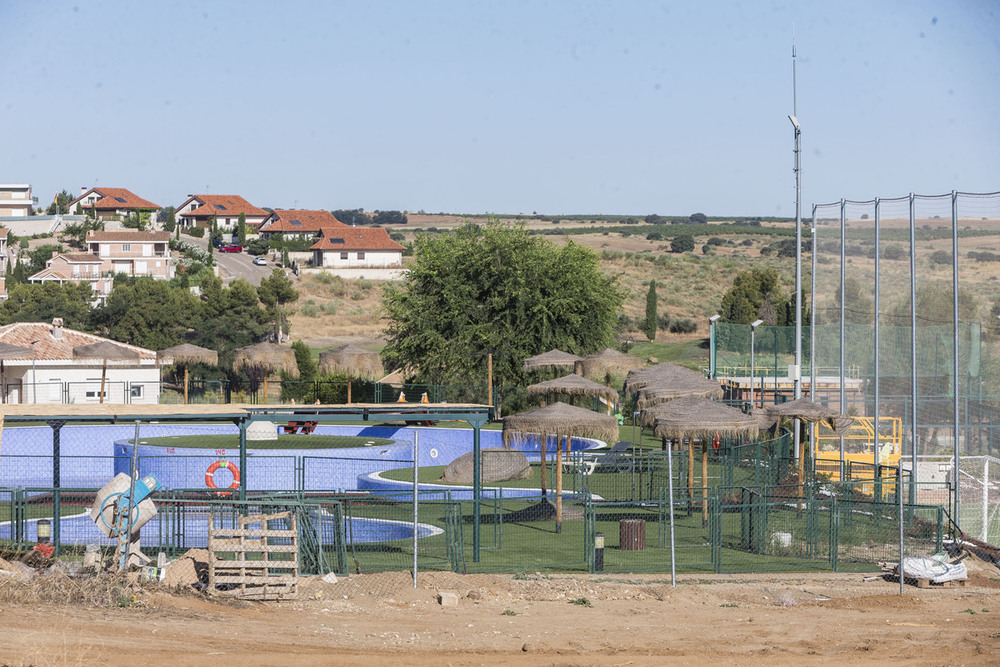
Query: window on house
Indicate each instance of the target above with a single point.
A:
(126, 247)
(135, 391)
(343, 255)
(361, 255)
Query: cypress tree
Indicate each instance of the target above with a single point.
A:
(651, 317)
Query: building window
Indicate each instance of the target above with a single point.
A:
(361, 255)
(126, 247)
(343, 255)
(135, 391)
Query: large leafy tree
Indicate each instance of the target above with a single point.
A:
(231, 317)
(147, 312)
(496, 289)
(40, 302)
(274, 292)
(756, 294)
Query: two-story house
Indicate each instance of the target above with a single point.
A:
(110, 203)
(200, 210)
(15, 201)
(356, 247)
(298, 223)
(132, 253)
(77, 267)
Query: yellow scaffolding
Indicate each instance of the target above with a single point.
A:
(859, 452)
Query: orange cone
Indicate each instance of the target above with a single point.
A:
(401, 399)
(423, 398)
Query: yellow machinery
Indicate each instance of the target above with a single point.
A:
(859, 455)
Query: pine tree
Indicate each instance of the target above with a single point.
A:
(651, 317)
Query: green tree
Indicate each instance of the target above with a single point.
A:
(682, 243)
(40, 302)
(496, 288)
(356, 217)
(75, 233)
(147, 312)
(699, 218)
(231, 317)
(651, 317)
(241, 229)
(389, 218)
(274, 292)
(60, 204)
(754, 294)
(40, 255)
(169, 215)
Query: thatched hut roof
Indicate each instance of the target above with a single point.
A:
(269, 356)
(666, 374)
(561, 419)
(810, 411)
(8, 351)
(106, 351)
(693, 417)
(186, 353)
(572, 385)
(551, 360)
(607, 362)
(353, 361)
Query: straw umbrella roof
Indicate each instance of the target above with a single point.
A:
(810, 411)
(607, 362)
(551, 360)
(270, 356)
(673, 376)
(572, 385)
(106, 351)
(186, 353)
(561, 419)
(694, 417)
(352, 360)
(8, 351)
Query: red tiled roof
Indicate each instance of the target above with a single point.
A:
(356, 238)
(127, 237)
(50, 348)
(85, 257)
(3, 232)
(300, 221)
(232, 205)
(116, 198)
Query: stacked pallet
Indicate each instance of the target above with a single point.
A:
(256, 558)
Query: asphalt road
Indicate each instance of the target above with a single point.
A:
(233, 265)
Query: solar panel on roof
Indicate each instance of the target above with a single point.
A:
(220, 207)
(336, 240)
(120, 200)
(295, 223)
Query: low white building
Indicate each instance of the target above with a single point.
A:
(16, 200)
(50, 373)
(356, 247)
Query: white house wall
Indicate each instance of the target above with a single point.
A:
(59, 382)
(377, 259)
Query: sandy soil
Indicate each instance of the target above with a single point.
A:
(379, 619)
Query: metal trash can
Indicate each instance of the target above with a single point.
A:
(632, 534)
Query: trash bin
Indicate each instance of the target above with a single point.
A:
(632, 534)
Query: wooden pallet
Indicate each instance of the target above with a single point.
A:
(891, 574)
(253, 559)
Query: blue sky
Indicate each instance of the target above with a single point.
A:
(510, 107)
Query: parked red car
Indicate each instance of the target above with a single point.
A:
(233, 247)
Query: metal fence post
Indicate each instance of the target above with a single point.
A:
(56, 427)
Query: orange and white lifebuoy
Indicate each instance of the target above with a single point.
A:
(210, 476)
(716, 442)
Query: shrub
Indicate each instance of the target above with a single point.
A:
(941, 257)
(197, 232)
(682, 243)
(683, 325)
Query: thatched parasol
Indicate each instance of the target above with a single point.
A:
(563, 421)
(184, 355)
(354, 362)
(105, 351)
(606, 363)
(677, 379)
(262, 359)
(810, 411)
(698, 418)
(573, 385)
(554, 360)
(10, 352)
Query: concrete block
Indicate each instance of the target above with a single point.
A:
(447, 599)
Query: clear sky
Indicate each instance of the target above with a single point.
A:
(626, 107)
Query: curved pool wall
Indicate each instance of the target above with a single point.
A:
(160, 531)
(375, 483)
(92, 455)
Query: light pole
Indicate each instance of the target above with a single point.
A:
(34, 376)
(711, 344)
(798, 251)
(753, 374)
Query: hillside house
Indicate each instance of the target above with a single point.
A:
(356, 247)
(15, 201)
(298, 224)
(199, 211)
(77, 267)
(111, 203)
(132, 253)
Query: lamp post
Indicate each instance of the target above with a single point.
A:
(753, 373)
(797, 380)
(34, 376)
(711, 344)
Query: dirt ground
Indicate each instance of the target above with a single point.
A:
(535, 619)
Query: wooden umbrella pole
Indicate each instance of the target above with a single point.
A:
(690, 479)
(3, 384)
(348, 391)
(704, 482)
(559, 484)
(104, 375)
(185, 384)
(543, 448)
(265, 389)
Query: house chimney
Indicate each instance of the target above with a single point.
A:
(83, 189)
(57, 327)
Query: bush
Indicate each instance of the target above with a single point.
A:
(654, 236)
(941, 257)
(683, 325)
(682, 243)
(258, 246)
(197, 232)
(715, 240)
(705, 249)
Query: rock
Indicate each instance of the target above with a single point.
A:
(526, 647)
(474, 595)
(447, 599)
(330, 578)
